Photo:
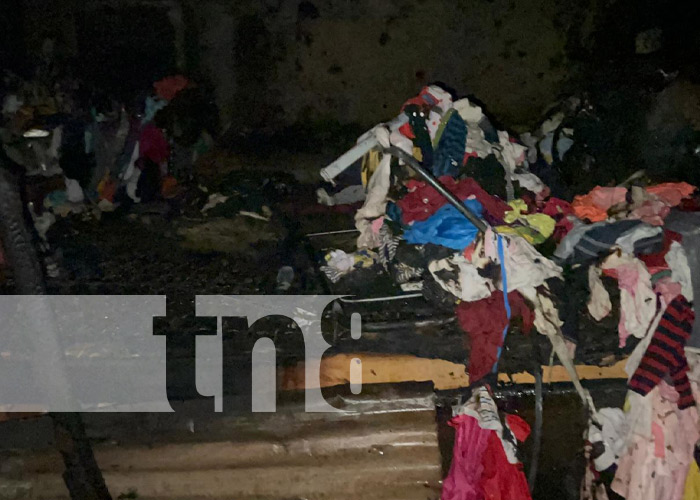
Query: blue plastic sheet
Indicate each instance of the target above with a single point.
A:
(446, 227)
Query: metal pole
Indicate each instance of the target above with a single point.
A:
(414, 165)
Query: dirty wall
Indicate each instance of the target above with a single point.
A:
(355, 61)
(278, 62)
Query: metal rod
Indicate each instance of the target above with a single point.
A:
(409, 160)
(328, 233)
(382, 299)
(397, 325)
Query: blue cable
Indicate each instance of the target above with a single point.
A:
(504, 283)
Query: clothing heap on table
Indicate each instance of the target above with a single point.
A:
(637, 236)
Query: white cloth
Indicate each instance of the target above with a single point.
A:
(530, 182)
(627, 240)
(613, 433)
(476, 139)
(470, 113)
(375, 202)
(531, 142)
(340, 260)
(547, 320)
(443, 98)
(469, 286)
(525, 266)
(677, 261)
(637, 298)
(512, 154)
(599, 305)
(347, 196)
(74, 192)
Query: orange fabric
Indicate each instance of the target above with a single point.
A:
(107, 188)
(169, 187)
(672, 192)
(594, 205)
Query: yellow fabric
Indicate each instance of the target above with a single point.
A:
(365, 258)
(542, 223)
(417, 153)
(531, 235)
(369, 165)
(692, 483)
(517, 207)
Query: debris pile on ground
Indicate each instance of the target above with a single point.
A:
(84, 151)
(519, 253)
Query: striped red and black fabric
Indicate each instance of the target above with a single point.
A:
(665, 354)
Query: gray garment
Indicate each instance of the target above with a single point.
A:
(688, 225)
(109, 138)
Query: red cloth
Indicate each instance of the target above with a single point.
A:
(555, 207)
(658, 260)
(518, 426)
(423, 200)
(168, 87)
(562, 228)
(153, 145)
(473, 154)
(484, 321)
(501, 479)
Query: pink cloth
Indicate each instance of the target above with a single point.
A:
(672, 193)
(642, 474)
(462, 482)
(667, 289)
(652, 212)
(637, 298)
(480, 468)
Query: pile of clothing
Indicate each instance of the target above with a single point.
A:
(649, 448)
(640, 239)
(104, 151)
